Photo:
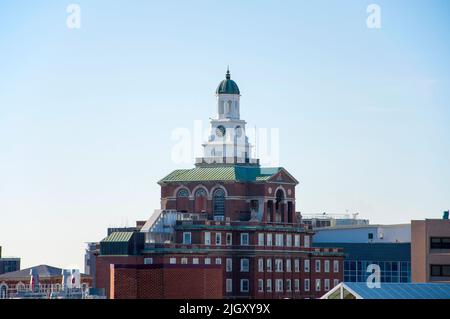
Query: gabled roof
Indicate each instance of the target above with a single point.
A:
(224, 173)
(44, 271)
(360, 290)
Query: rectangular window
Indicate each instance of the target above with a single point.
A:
(269, 285)
(207, 261)
(261, 239)
(269, 265)
(440, 270)
(229, 285)
(148, 261)
(306, 283)
(336, 265)
(288, 240)
(244, 285)
(229, 265)
(172, 261)
(260, 285)
(297, 284)
(187, 238)
(244, 265)
(307, 241)
(261, 265)
(218, 239)
(218, 261)
(229, 239)
(318, 288)
(207, 238)
(326, 284)
(279, 240)
(279, 285)
(195, 261)
(184, 261)
(326, 266)
(335, 282)
(269, 239)
(288, 265)
(440, 243)
(288, 285)
(318, 265)
(278, 265)
(297, 265)
(297, 240)
(244, 239)
(306, 266)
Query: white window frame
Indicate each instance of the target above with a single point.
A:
(318, 285)
(229, 239)
(148, 261)
(260, 285)
(207, 238)
(279, 240)
(229, 285)
(218, 238)
(269, 265)
(297, 242)
(307, 241)
(229, 265)
(288, 265)
(195, 261)
(326, 284)
(296, 284)
(317, 266)
(173, 260)
(278, 265)
(261, 265)
(288, 285)
(326, 266)
(307, 265)
(269, 285)
(335, 282)
(187, 242)
(184, 261)
(245, 264)
(260, 239)
(207, 261)
(335, 266)
(269, 241)
(307, 285)
(242, 285)
(278, 285)
(288, 240)
(218, 261)
(297, 265)
(245, 242)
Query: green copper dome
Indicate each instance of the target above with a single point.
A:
(228, 86)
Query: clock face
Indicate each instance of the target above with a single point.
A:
(220, 131)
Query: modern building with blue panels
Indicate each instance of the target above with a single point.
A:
(394, 260)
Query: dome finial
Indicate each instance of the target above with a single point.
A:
(228, 76)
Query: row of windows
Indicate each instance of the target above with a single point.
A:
(391, 271)
(440, 243)
(282, 285)
(440, 270)
(262, 266)
(281, 240)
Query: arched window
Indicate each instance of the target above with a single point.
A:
(200, 200)
(279, 217)
(219, 204)
(229, 106)
(221, 104)
(20, 287)
(182, 193)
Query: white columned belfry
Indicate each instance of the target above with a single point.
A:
(227, 142)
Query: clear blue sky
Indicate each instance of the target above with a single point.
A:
(86, 115)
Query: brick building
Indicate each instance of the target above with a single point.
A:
(226, 215)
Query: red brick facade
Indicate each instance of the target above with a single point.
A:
(166, 282)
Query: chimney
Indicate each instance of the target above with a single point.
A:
(445, 215)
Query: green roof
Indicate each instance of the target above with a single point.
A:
(221, 173)
(228, 86)
(118, 237)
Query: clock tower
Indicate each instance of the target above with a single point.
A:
(227, 142)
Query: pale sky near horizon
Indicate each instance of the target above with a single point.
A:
(86, 116)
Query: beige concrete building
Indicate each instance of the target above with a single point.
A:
(430, 250)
